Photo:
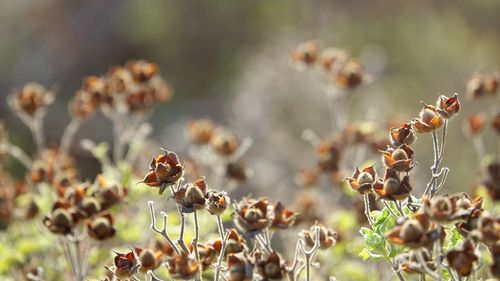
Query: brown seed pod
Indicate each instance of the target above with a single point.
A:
(165, 170)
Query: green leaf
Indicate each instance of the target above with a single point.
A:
(365, 255)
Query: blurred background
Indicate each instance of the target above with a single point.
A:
(229, 60)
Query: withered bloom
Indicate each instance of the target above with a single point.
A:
(141, 70)
(350, 75)
(237, 171)
(239, 267)
(495, 267)
(216, 202)
(428, 121)
(208, 255)
(62, 218)
(402, 135)
(446, 208)
(462, 258)
(252, 215)
(89, 206)
(149, 259)
(283, 217)
(474, 124)
(224, 142)
(101, 227)
(41, 171)
(31, 98)
(399, 159)
(165, 170)
(363, 181)
(234, 244)
(482, 85)
(327, 237)
(191, 196)
(306, 53)
(182, 266)
(81, 105)
(109, 193)
(126, 265)
(415, 233)
(492, 181)
(200, 131)
(392, 188)
(489, 228)
(412, 264)
(270, 267)
(328, 155)
(447, 107)
(331, 58)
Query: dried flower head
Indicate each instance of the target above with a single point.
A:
(81, 105)
(191, 196)
(428, 121)
(462, 258)
(270, 267)
(328, 155)
(446, 208)
(31, 98)
(448, 106)
(489, 228)
(126, 265)
(252, 215)
(283, 217)
(224, 142)
(62, 218)
(363, 181)
(208, 255)
(492, 180)
(495, 267)
(216, 202)
(200, 131)
(331, 58)
(481, 85)
(165, 170)
(239, 267)
(109, 193)
(350, 75)
(402, 135)
(101, 227)
(307, 177)
(415, 233)
(474, 124)
(392, 187)
(182, 266)
(495, 122)
(306, 54)
(237, 171)
(148, 258)
(412, 264)
(399, 159)
(327, 237)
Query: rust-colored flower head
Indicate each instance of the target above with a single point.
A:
(41, 171)
(165, 170)
(31, 210)
(306, 54)
(182, 266)
(164, 247)
(462, 258)
(81, 105)
(332, 58)
(270, 267)
(237, 171)
(216, 202)
(495, 267)
(489, 228)
(307, 177)
(208, 255)
(283, 217)
(126, 265)
(350, 75)
(200, 131)
(95, 89)
(399, 159)
(149, 259)
(191, 196)
(239, 267)
(89, 206)
(328, 155)
(491, 83)
(363, 181)
(141, 70)
(495, 122)
(140, 101)
(428, 121)
(31, 98)
(492, 180)
(446, 208)
(252, 215)
(327, 237)
(474, 124)
(412, 264)
(109, 193)
(448, 106)
(224, 142)
(62, 219)
(402, 135)
(392, 188)
(234, 244)
(101, 227)
(307, 206)
(415, 233)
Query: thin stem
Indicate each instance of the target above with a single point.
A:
(309, 254)
(194, 242)
(181, 241)
(220, 227)
(389, 209)
(221, 255)
(69, 257)
(163, 230)
(78, 258)
(367, 208)
(67, 137)
(17, 153)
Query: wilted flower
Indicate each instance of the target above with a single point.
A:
(392, 188)
(489, 228)
(126, 265)
(428, 121)
(108, 193)
(328, 155)
(481, 85)
(224, 141)
(447, 107)
(332, 57)
(239, 267)
(200, 131)
(402, 135)
(182, 266)
(446, 208)
(474, 124)
(149, 259)
(216, 202)
(89, 206)
(62, 218)
(101, 227)
(399, 159)
(237, 170)
(327, 237)
(306, 53)
(141, 70)
(495, 267)
(191, 196)
(413, 266)
(31, 98)
(492, 181)
(283, 217)
(270, 267)
(363, 181)
(350, 75)
(208, 255)
(252, 215)
(81, 105)
(415, 233)
(165, 170)
(31, 210)
(462, 258)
